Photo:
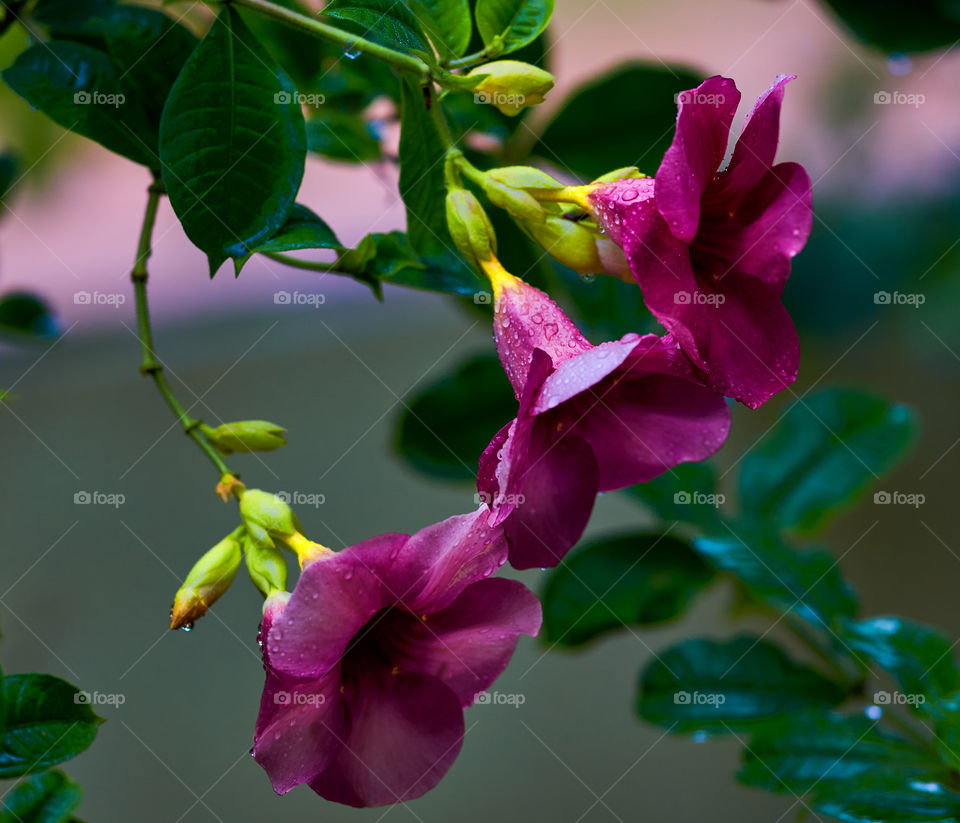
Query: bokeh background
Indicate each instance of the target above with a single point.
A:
(84, 589)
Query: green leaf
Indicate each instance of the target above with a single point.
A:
(25, 314)
(806, 582)
(918, 657)
(922, 26)
(716, 685)
(81, 89)
(303, 230)
(685, 494)
(299, 53)
(813, 750)
(73, 19)
(8, 172)
(447, 24)
(632, 580)
(624, 118)
(888, 798)
(232, 142)
(49, 797)
(386, 21)
(345, 136)
(826, 449)
(47, 721)
(446, 427)
(508, 25)
(421, 182)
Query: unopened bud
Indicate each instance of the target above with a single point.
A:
(571, 244)
(266, 565)
(520, 204)
(210, 577)
(511, 86)
(246, 436)
(267, 514)
(469, 226)
(524, 177)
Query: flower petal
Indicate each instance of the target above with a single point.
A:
(334, 597)
(757, 147)
(469, 644)
(698, 148)
(299, 729)
(405, 732)
(437, 563)
(559, 483)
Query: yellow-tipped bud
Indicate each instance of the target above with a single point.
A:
(469, 226)
(266, 565)
(246, 436)
(210, 577)
(511, 86)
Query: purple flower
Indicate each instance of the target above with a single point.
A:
(378, 651)
(591, 418)
(711, 249)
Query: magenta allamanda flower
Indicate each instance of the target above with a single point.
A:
(373, 658)
(590, 419)
(711, 248)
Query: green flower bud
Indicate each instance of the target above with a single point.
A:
(246, 436)
(524, 177)
(519, 203)
(210, 577)
(510, 85)
(266, 565)
(570, 243)
(469, 226)
(267, 514)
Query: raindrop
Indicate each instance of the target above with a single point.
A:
(588, 278)
(187, 627)
(351, 54)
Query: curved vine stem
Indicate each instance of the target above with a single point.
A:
(150, 365)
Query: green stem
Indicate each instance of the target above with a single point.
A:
(352, 42)
(149, 364)
(470, 60)
(800, 630)
(309, 265)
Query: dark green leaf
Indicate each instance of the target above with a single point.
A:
(73, 19)
(686, 494)
(624, 118)
(387, 21)
(825, 450)
(806, 582)
(422, 183)
(23, 313)
(918, 657)
(47, 721)
(342, 135)
(508, 25)
(49, 797)
(447, 425)
(81, 89)
(888, 798)
(447, 23)
(813, 750)
(232, 142)
(300, 54)
(920, 26)
(303, 230)
(8, 172)
(715, 685)
(632, 580)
